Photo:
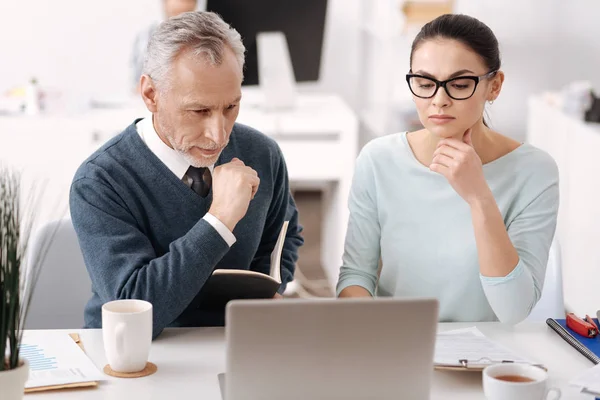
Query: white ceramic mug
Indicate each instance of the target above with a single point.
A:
(533, 384)
(127, 334)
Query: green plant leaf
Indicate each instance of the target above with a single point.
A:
(19, 271)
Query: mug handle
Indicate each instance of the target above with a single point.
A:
(120, 338)
(556, 391)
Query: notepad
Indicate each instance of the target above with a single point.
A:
(469, 349)
(589, 347)
(56, 360)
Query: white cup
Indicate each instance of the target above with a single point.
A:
(127, 334)
(533, 387)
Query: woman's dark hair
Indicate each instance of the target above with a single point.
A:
(467, 30)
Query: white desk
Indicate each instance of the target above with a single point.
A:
(189, 360)
(319, 140)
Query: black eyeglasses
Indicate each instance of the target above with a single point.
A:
(459, 88)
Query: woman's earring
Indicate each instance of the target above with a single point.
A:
(491, 102)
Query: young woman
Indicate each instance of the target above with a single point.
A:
(456, 210)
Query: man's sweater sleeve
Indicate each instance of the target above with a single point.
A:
(282, 208)
(122, 263)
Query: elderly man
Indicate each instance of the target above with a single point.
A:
(185, 190)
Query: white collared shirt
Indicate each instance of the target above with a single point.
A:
(179, 166)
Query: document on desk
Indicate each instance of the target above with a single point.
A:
(470, 349)
(588, 381)
(55, 359)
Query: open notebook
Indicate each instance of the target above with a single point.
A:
(232, 284)
(470, 350)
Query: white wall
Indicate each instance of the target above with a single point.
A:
(82, 48)
(579, 41)
(79, 48)
(528, 36)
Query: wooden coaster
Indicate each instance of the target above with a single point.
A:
(147, 371)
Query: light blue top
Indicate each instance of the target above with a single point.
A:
(421, 228)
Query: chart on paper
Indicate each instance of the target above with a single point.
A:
(55, 359)
(38, 361)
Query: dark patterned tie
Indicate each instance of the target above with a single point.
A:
(201, 180)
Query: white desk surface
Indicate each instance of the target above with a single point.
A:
(189, 360)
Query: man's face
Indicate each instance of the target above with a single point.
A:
(175, 7)
(194, 114)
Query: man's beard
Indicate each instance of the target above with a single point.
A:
(197, 162)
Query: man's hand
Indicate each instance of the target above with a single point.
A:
(462, 167)
(278, 296)
(233, 185)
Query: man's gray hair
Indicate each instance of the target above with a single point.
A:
(204, 33)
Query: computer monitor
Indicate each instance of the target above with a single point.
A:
(302, 22)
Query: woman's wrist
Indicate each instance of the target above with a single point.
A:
(482, 201)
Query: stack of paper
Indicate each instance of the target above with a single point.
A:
(469, 348)
(589, 381)
(56, 360)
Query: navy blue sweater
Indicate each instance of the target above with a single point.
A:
(142, 235)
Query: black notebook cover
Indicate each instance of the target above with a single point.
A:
(235, 285)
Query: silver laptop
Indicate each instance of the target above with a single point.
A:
(329, 349)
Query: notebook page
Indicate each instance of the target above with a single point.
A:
(276, 253)
(472, 345)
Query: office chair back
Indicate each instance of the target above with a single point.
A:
(63, 287)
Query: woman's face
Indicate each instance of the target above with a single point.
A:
(444, 59)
